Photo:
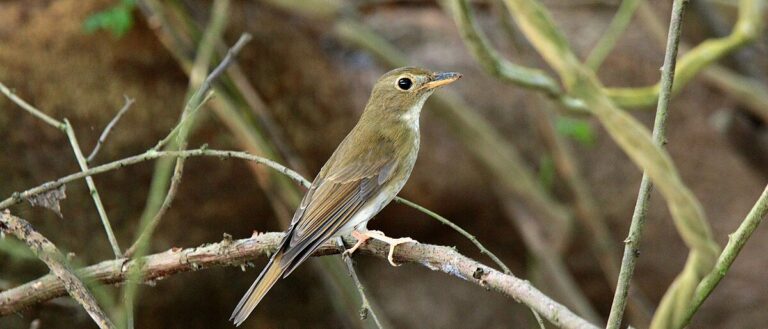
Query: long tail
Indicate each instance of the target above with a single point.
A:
(260, 287)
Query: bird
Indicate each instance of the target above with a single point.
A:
(365, 172)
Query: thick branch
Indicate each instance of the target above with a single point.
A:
(62, 274)
(240, 252)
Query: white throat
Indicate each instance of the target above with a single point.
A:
(411, 116)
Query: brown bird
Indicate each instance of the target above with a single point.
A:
(363, 175)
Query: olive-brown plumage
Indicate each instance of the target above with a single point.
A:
(363, 175)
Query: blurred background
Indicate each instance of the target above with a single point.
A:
(303, 82)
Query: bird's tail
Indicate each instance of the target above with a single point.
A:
(260, 287)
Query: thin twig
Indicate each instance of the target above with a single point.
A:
(18, 197)
(748, 27)
(31, 109)
(173, 133)
(686, 210)
(744, 89)
(236, 253)
(199, 84)
(365, 309)
(632, 247)
(206, 85)
(553, 265)
(151, 155)
(195, 102)
(736, 242)
(612, 33)
(585, 207)
(496, 65)
(92, 189)
(146, 233)
(457, 228)
(66, 127)
(50, 255)
(128, 102)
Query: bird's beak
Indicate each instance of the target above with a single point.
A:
(438, 79)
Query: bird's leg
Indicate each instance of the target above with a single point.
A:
(378, 235)
(361, 238)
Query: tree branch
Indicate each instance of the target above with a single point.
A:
(736, 242)
(62, 274)
(240, 252)
(612, 34)
(632, 243)
(128, 102)
(92, 189)
(67, 129)
(31, 109)
(365, 307)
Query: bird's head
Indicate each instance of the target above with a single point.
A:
(403, 91)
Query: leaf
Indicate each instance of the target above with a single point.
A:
(50, 199)
(578, 130)
(118, 19)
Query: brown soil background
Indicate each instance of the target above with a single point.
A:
(316, 88)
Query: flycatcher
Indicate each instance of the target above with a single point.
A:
(363, 175)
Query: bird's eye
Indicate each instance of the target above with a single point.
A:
(404, 83)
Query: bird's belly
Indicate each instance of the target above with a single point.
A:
(365, 214)
(384, 197)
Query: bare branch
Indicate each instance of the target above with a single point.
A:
(62, 274)
(638, 217)
(240, 252)
(66, 127)
(457, 228)
(92, 188)
(128, 102)
(31, 109)
(365, 308)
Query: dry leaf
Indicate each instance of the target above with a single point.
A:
(50, 199)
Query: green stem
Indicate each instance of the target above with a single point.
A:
(612, 33)
(200, 83)
(736, 242)
(631, 249)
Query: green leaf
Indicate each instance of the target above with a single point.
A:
(118, 19)
(576, 129)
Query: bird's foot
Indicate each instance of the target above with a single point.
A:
(361, 239)
(393, 242)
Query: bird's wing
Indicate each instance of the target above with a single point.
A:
(336, 195)
(334, 198)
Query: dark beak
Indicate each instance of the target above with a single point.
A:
(438, 79)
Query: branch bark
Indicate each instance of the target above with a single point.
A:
(62, 275)
(240, 252)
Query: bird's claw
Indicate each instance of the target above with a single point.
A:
(392, 244)
(363, 236)
(361, 239)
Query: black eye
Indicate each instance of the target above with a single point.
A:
(404, 83)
